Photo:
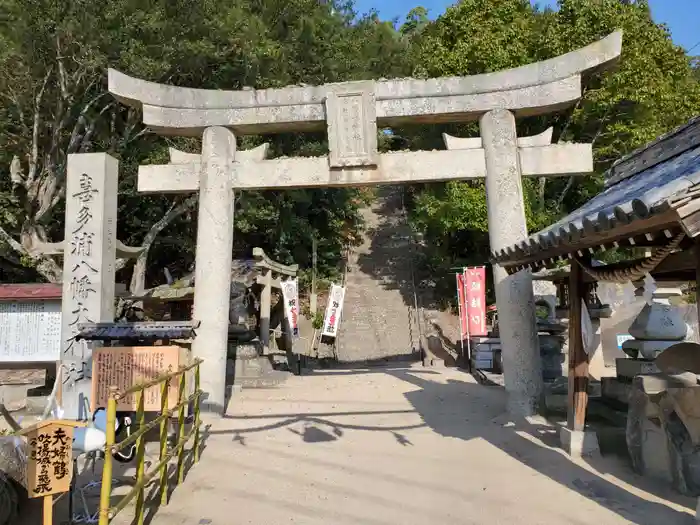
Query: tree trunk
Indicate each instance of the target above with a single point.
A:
(138, 277)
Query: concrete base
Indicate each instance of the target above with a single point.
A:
(579, 443)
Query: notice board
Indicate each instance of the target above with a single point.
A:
(124, 367)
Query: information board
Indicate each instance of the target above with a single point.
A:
(124, 367)
(30, 331)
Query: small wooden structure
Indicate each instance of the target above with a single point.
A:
(651, 199)
(173, 302)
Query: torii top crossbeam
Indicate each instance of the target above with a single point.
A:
(538, 88)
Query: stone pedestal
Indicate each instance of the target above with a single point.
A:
(663, 430)
(213, 264)
(579, 443)
(253, 370)
(514, 294)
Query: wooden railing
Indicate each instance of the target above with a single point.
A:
(143, 478)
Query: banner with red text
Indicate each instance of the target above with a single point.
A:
(333, 311)
(462, 304)
(475, 292)
(290, 294)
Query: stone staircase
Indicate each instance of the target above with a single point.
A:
(379, 319)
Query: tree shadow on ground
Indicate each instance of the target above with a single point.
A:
(480, 411)
(511, 438)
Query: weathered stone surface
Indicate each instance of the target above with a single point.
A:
(579, 443)
(213, 264)
(541, 139)
(250, 369)
(629, 368)
(640, 349)
(88, 266)
(659, 441)
(409, 166)
(351, 118)
(659, 322)
(514, 296)
(680, 357)
(247, 155)
(541, 87)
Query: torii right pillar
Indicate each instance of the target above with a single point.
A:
(515, 299)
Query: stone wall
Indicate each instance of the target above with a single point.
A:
(379, 320)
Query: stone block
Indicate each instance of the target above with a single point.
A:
(579, 443)
(629, 368)
(659, 442)
(613, 388)
(352, 125)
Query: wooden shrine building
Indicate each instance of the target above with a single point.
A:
(651, 200)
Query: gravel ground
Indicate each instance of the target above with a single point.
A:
(400, 446)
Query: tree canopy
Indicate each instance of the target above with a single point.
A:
(652, 90)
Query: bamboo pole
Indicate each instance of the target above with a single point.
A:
(164, 441)
(140, 453)
(106, 490)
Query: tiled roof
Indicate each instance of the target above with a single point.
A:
(147, 330)
(646, 182)
(17, 292)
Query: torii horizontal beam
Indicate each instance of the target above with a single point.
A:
(407, 167)
(534, 89)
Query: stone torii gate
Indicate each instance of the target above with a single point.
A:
(351, 113)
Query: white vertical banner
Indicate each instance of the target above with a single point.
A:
(333, 310)
(290, 294)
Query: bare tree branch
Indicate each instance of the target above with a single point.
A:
(138, 278)
(34, 158)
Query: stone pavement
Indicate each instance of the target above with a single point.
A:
(399, 445)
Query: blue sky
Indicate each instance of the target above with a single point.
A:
(681, 16)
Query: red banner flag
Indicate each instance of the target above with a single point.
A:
(475, 299)
(462, 303)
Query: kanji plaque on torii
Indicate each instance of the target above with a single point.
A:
(351, 112)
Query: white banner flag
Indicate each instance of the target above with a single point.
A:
(290, 293)
(333, 311)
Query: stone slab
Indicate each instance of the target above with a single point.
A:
(629, 368)
(532, 89)
(406, 166)
(88, 266)
(618, 391)
(579, 443)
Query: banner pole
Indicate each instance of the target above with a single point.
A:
(460, 306)
(469, 343)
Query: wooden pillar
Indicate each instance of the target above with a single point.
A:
(265, 306)
(696, 249)
(578, 359)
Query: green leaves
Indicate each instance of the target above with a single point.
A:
(652, 90)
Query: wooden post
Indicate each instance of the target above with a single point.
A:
(265, 306)
(48, 510)
(578, 359)
(696, 249)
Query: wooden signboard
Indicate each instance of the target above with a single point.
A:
(124, 367)
(49, 458)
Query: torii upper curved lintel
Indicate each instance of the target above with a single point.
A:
(537, 88)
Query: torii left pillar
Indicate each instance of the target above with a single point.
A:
(213, 264)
